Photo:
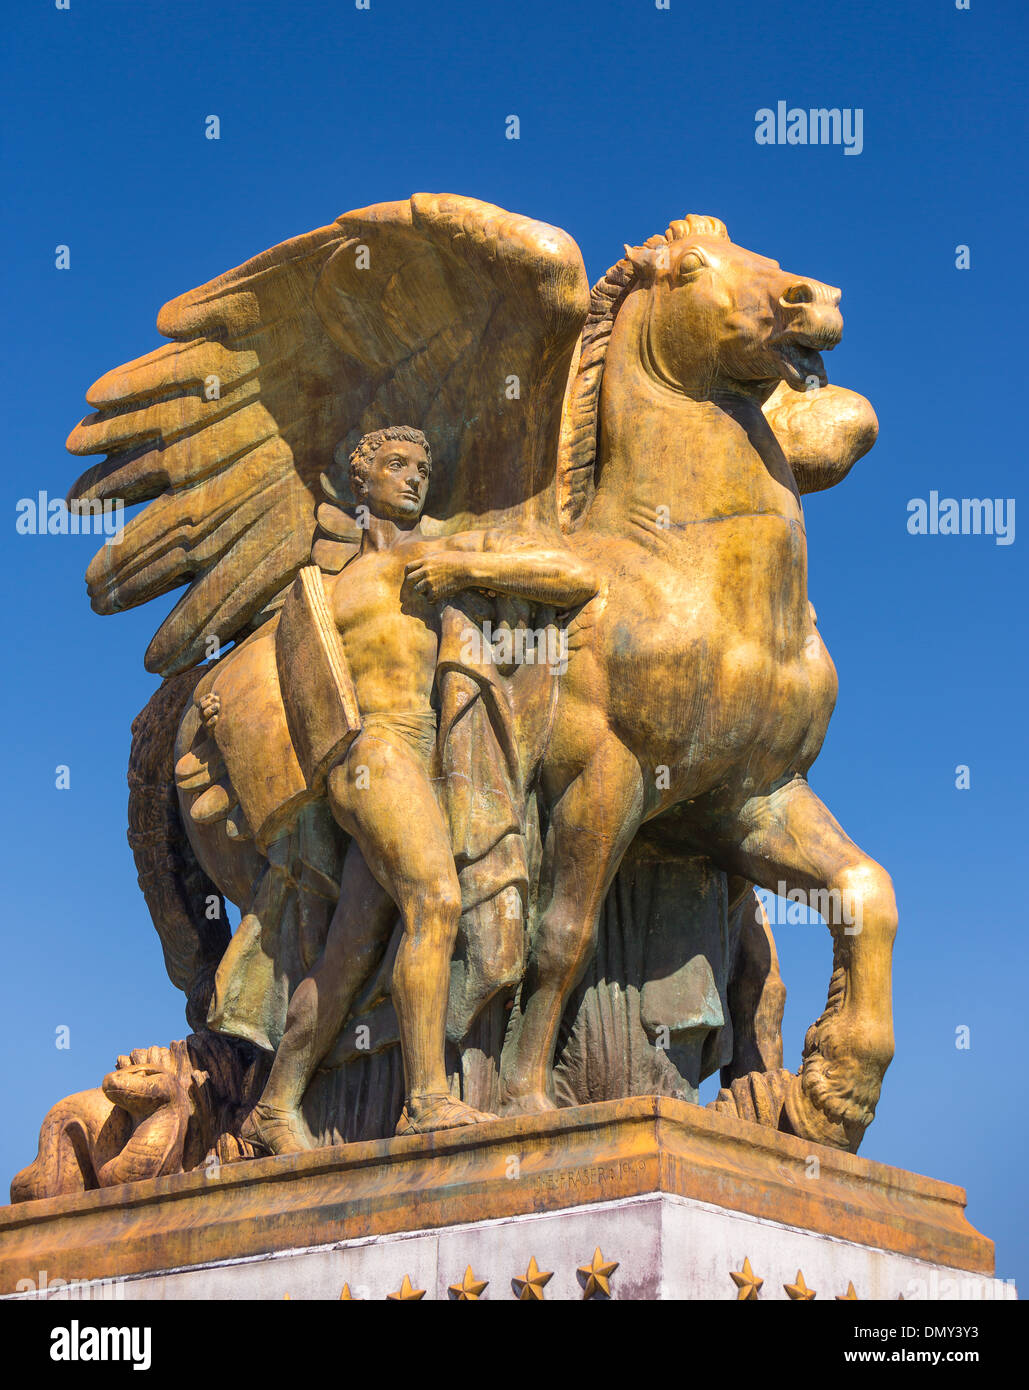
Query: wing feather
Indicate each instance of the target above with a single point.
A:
(181, 534)
(270, 549)
(168, 369)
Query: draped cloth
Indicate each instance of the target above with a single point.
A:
(494, 723)
(282, 934)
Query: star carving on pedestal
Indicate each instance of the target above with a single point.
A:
(469, 1288)
(405, 1294)
(799, 1290)
(531, 1287)
(346, 1296)
(746, 1281)
(597, 1275)
(850, 1296)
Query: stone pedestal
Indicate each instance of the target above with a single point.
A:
(678, 1198)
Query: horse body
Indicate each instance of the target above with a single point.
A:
(697, 682)
(703, 643)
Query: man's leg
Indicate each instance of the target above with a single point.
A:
(591, 826)
(358, 934)
(383, 796)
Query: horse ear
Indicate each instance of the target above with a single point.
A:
(646, 262)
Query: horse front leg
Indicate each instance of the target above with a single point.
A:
(789, 837)
(591, 826)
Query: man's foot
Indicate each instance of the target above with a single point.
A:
(272, 1130)
(425, 1114)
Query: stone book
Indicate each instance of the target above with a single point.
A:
(317, 691)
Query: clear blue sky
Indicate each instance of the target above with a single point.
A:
(629, 116)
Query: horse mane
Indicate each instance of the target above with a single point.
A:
(577, 449)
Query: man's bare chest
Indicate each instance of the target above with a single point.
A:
(372, 589)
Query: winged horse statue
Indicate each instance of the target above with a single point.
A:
(663, 427)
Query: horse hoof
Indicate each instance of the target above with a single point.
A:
(803, 1117)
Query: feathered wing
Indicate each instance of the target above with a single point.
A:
(441, 312)
(220, 431)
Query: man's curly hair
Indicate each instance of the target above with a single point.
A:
(369, 446)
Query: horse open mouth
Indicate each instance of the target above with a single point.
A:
(800, 362)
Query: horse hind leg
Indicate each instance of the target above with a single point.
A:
(755, 992)
(790, 838)
(591, 826)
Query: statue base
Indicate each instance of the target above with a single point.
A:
(677, 1198)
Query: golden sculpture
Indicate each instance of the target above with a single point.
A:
(488, 783)
(162, 1110)
(382, 608)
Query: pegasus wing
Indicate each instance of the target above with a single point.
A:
(222, 432)
(440, 312)
(468, 315)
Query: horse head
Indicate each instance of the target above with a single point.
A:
(720, 318)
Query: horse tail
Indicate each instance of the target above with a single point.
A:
(177, 891)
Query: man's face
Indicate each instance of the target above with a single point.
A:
(397, 480)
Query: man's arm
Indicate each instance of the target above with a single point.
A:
(518, 566)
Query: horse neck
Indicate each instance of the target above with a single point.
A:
(659, 447)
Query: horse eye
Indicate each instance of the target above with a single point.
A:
(689, 263)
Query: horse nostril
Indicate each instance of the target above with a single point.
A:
(799, 293)
(810, 292)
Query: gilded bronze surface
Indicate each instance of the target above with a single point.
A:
(491, 696)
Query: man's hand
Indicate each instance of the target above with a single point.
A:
(439, 576)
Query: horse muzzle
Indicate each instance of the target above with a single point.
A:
(810, 315)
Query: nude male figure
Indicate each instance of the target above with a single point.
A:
(385, 605)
